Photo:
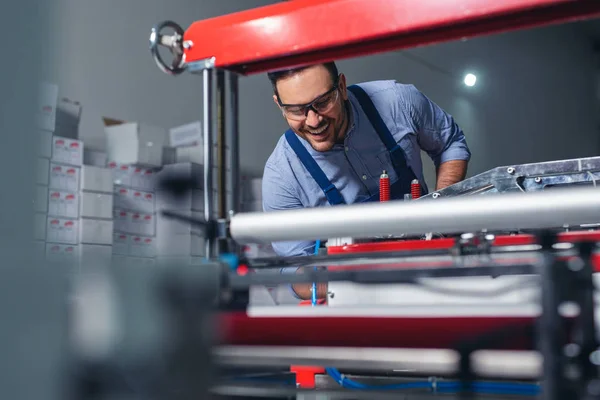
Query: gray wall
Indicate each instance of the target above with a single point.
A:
(534, 99)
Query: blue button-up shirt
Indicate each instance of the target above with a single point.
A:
(355, 166)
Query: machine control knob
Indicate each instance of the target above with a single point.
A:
(173, 42)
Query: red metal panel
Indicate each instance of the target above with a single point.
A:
(392, 332)
(301, 32)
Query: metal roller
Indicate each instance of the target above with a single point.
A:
(514, 211)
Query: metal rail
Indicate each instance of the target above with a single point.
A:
(510, 212)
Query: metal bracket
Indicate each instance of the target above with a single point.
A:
(526, 178)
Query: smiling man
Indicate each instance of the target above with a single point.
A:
(341, 139)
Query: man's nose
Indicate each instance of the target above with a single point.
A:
(312, 119)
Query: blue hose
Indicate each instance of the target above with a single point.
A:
(314, 297)
(442, 387)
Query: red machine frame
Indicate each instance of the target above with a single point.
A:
(301, 32)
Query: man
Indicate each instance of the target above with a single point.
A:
(342, 138)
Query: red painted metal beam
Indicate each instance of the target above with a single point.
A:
(302, 32)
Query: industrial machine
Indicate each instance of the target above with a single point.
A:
(528, 328)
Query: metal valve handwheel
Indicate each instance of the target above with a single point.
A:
(173, 42)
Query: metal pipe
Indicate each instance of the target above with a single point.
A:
(234, 147)
(514, 211)
(221, 145)
(208, 94)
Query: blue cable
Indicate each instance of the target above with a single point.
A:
(314, 284)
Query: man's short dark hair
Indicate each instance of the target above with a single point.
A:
(277, 75)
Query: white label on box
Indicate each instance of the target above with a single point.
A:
(61, 230)
(96, 179)
(141, 246)
(43, 168)
(121, 220)
(61, 253)
(143, 201)
(142, 224)
(120, 243)
(67, 151)
(96, 231)
(41, 199)
(120, 173)
(63, 177)
(63, 204)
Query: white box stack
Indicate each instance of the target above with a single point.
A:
(73, 205)
(79, 223)
(134, 213)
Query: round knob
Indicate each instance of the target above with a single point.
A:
(173, 42)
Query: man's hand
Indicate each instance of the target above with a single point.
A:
(304, 290)
(450, 172)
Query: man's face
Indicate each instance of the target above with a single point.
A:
(314, 107)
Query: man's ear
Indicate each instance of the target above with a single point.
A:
(275, 100)
(342, 87)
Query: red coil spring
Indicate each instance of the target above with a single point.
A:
(415, 189)
(384, 187)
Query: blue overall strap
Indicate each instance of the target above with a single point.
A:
(331, 192)
(404, 172)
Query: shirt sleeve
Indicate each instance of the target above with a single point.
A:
(437, 132)
(279, 195)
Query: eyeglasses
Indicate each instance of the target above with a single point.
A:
(321, 105)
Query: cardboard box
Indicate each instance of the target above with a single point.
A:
(91, 255)
(62, 253)
(194, 173)
(62, 230)
(142, 178)
(95, 158)
(40, 203)
(43, 171)
(142, 224)
(46, 109)
(193, 154)
(140, 201)
(63, 204)
(180, 245)
(186, 135)
(68, 115)
(45, 142)
(120, 173)
(134, 143)
(96, 231)
(121, 220)
(96, 205)
(120, 243)
(96, 179)
(168, 226)
(67, 151)
(191, 201)
(64, 177)
(122, 197)
(39, 226)
(142, 246)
